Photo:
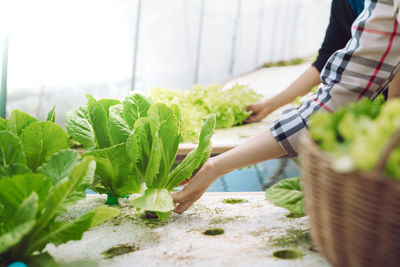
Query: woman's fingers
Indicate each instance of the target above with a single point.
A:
(184, 182)
(195, 187)
(182, 207)
(181, 201)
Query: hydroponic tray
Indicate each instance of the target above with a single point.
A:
(251, 229)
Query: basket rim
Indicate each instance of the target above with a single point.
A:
(372, 175)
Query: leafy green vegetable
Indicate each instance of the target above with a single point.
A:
(229, 105)
(114, 171)
(36, 142)
(156, 200)
(135, 107)
(60, 166)
(79, 127)
(367, 148)
(31, 203)
(106, 122)
(98, 118)
(11, 151)
(39, 179)
(18, 120)
(40, 140)
(287, 194)
(51, 116)
(136, 143)
(3, 124)
(103, 128)
(119, 129)
(154, 143)
(356, 135)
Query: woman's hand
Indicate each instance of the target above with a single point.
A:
(260, 147)
(299, 87)
(195, 188)
(259, 110)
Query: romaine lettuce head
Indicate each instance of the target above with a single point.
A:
(156, 138)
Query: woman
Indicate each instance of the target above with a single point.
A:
(363, 68)
(338, 33)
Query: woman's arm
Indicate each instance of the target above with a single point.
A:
(337, 35)
(299, 87)
(259, 148)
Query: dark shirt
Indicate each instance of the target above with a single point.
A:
(338, 33)
(357, 6)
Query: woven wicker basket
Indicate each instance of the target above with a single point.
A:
(354, 217)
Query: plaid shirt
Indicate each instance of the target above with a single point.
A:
(363, 68)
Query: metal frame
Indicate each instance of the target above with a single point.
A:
(199, 40)
(4, 68)
(259, 33)
(135, 51)
(235, 32)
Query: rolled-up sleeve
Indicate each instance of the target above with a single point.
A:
(363, 68)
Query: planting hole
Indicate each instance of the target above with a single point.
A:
(234, 200)
(295, 215)
(150, 215)
(288, 254)
(119, 250)
(214, 231)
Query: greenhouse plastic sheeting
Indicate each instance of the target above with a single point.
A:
(61, 50)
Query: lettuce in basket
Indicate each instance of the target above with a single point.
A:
(367, 148)
(356, 135)
(153, 145)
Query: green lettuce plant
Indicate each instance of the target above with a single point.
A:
(103, 127)
(30, 204)
(229, 105)
(26, 143)
(135, 144)
(39, 179)
(153, 145)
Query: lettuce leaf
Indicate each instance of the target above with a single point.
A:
(115, 170)
(40, 140)
(11, 151)
(155, 199)
(78, 126)
(30, 204)
(119, 129)
(51, 116)
(287, 194)
(134, 107)
(18, 120)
